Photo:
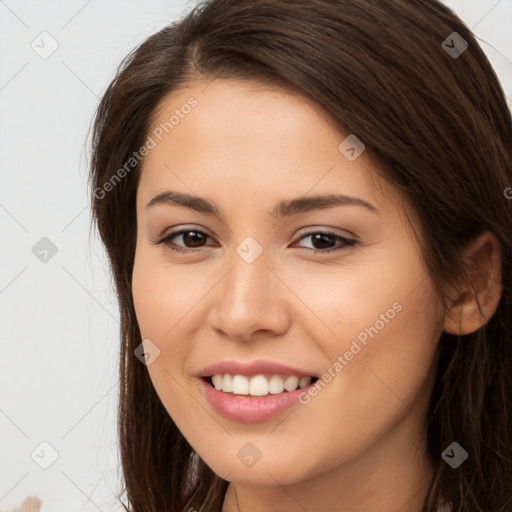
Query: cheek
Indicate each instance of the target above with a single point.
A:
(382, 362)
(160, 302)
(158, 308)
(163, 295)
(386, 321)
(167, 304)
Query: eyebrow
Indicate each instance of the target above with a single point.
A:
(285, 208)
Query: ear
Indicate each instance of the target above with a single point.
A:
(483, 263)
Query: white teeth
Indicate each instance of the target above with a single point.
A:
(227, 385)
(258, 385)
(304, 381)
(240, 385)
(291, 383)
(275, 385)
(217, 381)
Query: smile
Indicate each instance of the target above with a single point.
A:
(258, 385)
(249, 408)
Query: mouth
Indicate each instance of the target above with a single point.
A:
(257, 386)
(254, 398)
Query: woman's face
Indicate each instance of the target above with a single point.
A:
(249, 289)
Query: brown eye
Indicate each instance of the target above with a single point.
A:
(322, 239)
(192, 238)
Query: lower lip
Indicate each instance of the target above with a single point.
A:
(245, 409)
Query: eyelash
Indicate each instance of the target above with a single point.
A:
(347, 242)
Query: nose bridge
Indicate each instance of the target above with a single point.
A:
(250, 295)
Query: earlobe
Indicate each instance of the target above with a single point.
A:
(475, 303)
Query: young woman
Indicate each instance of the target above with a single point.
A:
(306, 207)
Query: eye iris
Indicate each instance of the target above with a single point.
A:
(196, 238)
(322, 237)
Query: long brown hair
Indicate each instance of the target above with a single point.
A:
(435, 125)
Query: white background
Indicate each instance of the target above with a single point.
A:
(59, 320)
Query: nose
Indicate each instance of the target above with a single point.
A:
(251, 301)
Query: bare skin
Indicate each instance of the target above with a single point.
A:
(359, 444)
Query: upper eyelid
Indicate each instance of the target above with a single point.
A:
(333, 231)
(304, 230)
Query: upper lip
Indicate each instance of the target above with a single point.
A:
(252, 368)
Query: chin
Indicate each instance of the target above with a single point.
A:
(275, 471)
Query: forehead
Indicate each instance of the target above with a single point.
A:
(253, 139)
